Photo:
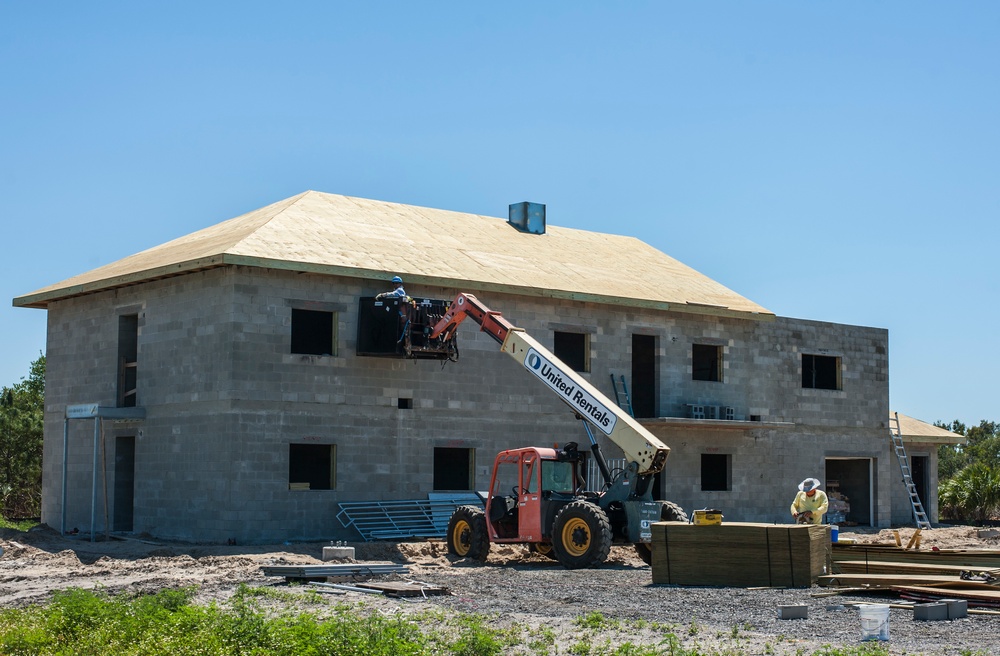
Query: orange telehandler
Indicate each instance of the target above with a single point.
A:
(537, 495)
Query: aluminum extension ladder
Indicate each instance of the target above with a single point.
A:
(628, 400)
(897, 444)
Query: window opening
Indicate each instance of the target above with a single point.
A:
(313, 332)
(706, 362)
(128, 355)
(572, 348)
(312, 466)
(716, 472)
(820, 372)
(404, 404)
(453, 468)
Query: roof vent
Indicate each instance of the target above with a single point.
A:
(528, 217)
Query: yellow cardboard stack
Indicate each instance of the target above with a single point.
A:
(740, 554)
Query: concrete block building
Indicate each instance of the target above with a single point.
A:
(232, 397)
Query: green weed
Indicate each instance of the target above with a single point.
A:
(19, 525)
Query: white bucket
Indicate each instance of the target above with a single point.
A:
(874, 621)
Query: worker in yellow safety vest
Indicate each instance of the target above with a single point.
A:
(810, 503)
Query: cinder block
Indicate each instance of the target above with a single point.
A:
(957, 608)
(793, 612)
(931, 612)
(337, 553)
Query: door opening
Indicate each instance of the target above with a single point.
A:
(124, 483)
(850, 480)
(919, 468)
(643, 392)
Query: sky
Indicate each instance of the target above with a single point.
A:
(832, 161)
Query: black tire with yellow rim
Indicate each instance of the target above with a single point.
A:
(467, 536)
(581, 535)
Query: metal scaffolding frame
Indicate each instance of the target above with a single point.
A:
(405, 518)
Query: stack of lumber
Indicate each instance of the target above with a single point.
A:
(979, 595)
(739, 554)
(966, 558)
(918, 575)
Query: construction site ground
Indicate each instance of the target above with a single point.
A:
(513, 589)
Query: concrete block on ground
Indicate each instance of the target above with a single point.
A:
(957, 608)
(793, 612)
(337, 553)
(937, 610)
(985, 533)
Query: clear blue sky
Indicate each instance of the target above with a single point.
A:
(836, 161)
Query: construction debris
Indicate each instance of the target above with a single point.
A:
(389, 589)
(968, 576)
(313, 572)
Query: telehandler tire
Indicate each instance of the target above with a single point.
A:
(669, 512)
(581, 535)
(467, 536)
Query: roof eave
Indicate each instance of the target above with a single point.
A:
(42, 299)
(935, 439)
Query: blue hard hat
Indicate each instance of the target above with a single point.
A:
(397, 279)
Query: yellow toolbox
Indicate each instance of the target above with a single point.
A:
(707, 517)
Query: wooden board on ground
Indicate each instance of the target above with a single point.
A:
(976, 594)
(739, 554)
(881, 581)
(966, 558)
(915, 569)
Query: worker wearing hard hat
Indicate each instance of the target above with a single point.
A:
(397, 289)
(810, 503)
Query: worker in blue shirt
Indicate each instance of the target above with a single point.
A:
(397, 290)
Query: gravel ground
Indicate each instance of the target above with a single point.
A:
(529, 593)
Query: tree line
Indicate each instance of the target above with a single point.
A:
(22, 413)
(969, 475)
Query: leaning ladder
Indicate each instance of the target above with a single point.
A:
(897, 444)
(628, 400)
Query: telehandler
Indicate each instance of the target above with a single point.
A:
(537, 495)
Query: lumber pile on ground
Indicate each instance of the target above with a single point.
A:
(919, 575)
(739, 554)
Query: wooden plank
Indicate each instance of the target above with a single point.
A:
(882, 580)
(916, 569)
(968, 558)
(976, 594)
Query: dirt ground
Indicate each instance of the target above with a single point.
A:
(515, 589)
(36, 562)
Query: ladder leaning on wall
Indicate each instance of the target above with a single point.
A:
(897, 444)
(628, 399)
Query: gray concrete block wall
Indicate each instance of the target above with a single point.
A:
(767, 466)
(225, 397)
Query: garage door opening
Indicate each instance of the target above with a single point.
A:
(850, 480)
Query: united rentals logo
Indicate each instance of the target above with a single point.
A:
(579, 399)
